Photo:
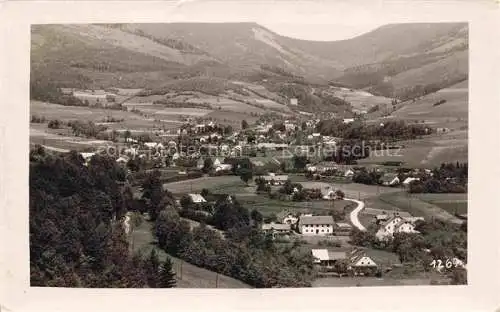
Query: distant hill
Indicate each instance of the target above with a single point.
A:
(401, 60)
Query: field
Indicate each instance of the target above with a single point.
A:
(196, 185)
(453, 203)
(188, 275)
(418, 207)
(131, 121)
(268, 206)
(427, 152)
(352, 190)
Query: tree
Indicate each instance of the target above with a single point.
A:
(156, 199)
(54, 124)
(339, 194)
(256, 216)
(186, 202)
(208, 165)
(299, 162)
(246, 175)
(166, 277)
(152, 267)
(244, 124)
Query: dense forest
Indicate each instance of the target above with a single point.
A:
(77, 237)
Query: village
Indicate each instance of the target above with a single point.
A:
(270, 163)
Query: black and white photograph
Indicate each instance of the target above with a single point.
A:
(235, 155)
(227, 149)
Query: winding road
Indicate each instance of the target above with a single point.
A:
(355, 212)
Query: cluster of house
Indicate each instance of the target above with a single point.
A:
(306, 224)
(389, 225)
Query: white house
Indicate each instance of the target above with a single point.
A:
(358, 259)
(197, 198)
(316, 225)
(348, 120)
(396, 224)
(294, 102)
(217, 162)
(223, 167)
(390, 179)
(408, 180)
(348, 173)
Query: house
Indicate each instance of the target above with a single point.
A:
(277, 229)
(389, 179)
(122, 160)
(327, 258)
(316, 225)
(286, 217)
(275, 179)
(86, 157)
(342, 228)
(396, 224)
(408, 180)
(217, 162)
(197, 198)
(348, 120)
(223, 167)
(360, 262)
(325, 166)
(257, 163)
(294, 101)
(200, 163)
(349, 173)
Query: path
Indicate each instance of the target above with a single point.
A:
(354, 214)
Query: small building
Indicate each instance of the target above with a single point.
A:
(277, 229)
(360, 262)
(389, 179)
(275, 179)
(316, 225)
(286, 217)
(342, 228)
(327, 258)
(408, 180)
(223, 167)
(294, 102)
(348, 120)
(197, 198)
(200, 163)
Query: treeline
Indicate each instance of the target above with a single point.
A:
(171, 104)
(76, 233)
(48, 92)
(393, 130)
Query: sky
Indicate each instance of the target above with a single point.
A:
(320, 32)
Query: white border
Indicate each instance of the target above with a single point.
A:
(484, 147)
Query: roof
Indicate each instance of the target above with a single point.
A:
(276, 226)
(325, 255)
(388, 177)
(409, 180)
(276, 177)
(390, 220)
(197, 198)
(336, 255)
(343, 225)
(316, 220)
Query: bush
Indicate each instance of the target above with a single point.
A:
(54, 124)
